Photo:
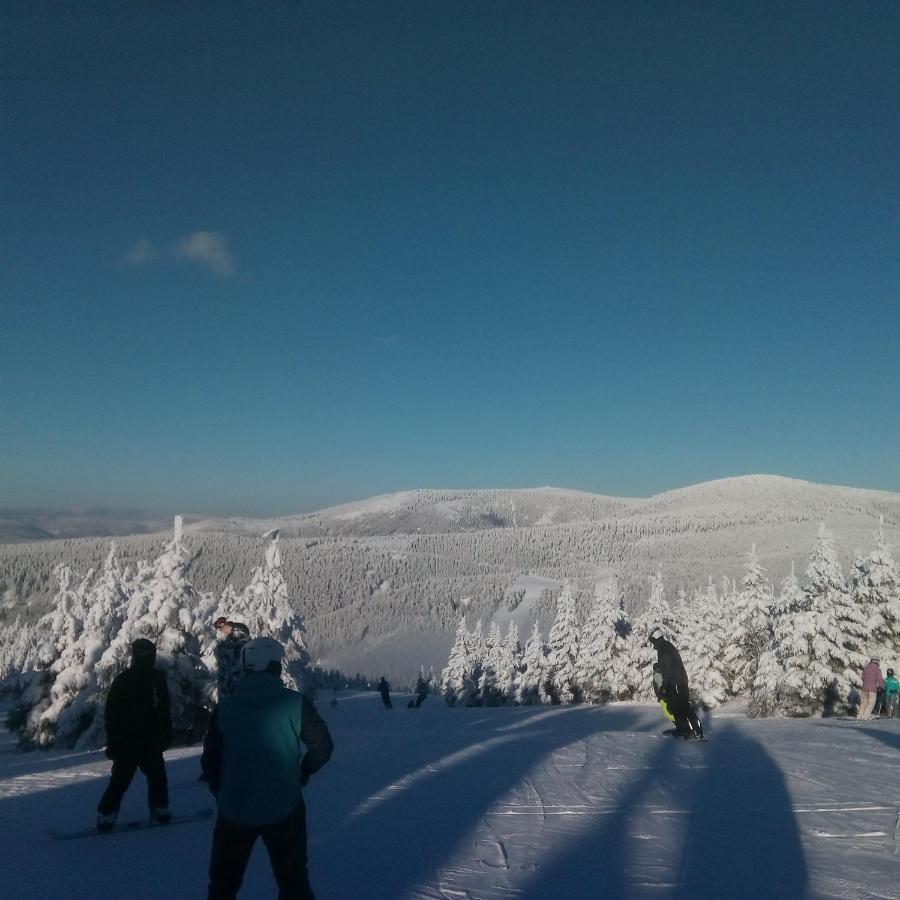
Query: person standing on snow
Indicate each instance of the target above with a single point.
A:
(891, 694)
(871, 682)
(233, 636)
(138, 730)
(255, 768)
(385, 690)
(420, 691)
(672, 686)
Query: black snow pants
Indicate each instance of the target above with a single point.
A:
(686, 721)
(285, 842)
(123, 768)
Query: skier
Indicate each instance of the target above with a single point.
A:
(673, 686)
(891, 692)
(138, 730)
(255, 768)
(228, 654)
(385, 690)
(871, 682)
(421, 692)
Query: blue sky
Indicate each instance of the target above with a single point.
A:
(262, 258)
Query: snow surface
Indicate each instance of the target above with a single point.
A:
(570, 802)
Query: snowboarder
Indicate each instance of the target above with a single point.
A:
(233, 636)
(421, 692)
(138, 730)
(891, 694)
(255, 768)
(871, 682)
(385, 690)
(671, 686)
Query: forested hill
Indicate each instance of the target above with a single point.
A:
(382, 582)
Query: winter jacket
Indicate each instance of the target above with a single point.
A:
(871, 677)
(891, 685)
(138, 717)
(228, 662)
(252, 756)
(674, 676)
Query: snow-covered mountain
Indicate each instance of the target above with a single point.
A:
(382, 583)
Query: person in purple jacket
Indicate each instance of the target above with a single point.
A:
(872, 681)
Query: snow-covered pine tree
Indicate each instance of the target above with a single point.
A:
(74, 711)
(751, 629)
(510, 661)
(266, 608)
(641, 655)
(162, 609)
(489, 693)
(563, 653)
(602, 667)
(834, 657)
(875, 590)
(532, 684)
(781, 683)
(457, 685)
(702, 648)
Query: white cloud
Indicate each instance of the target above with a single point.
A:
(207, 248)
(141, 253)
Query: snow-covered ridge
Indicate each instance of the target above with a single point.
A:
(433, 511)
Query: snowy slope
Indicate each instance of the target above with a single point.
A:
(573, 802)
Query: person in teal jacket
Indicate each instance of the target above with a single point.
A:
(891, 694)
(256, 768)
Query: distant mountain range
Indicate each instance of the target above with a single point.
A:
(383, 582)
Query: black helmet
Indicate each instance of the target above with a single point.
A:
(890, 671)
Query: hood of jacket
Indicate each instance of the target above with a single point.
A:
(258, 689)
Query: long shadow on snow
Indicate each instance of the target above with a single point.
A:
(891, 738)
(741, 838)
(397, 844)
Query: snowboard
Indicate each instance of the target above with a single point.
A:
(136, 825)
(670, 732)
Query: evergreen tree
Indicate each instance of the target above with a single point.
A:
(702, 650)
(532, 685)
(751, 632)
(456, 679)
(563, 654)
(875, 591)
(602, 668)
(641, 655)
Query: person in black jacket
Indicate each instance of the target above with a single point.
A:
(138, 730)
(672, 686)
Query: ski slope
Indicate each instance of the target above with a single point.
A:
(569, 802)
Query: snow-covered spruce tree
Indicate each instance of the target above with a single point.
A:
(782, 681)
(162, 609)
(751, 629)
(641, 655)
(71, 718)
(827, 636)
(477, 656)
(532, 684)
(563, 652)
(489, 693)
(456, 678)
(875, 590)
(47, 686)
(702, 648)
(509, 661)
(267, 610)
(602, 667)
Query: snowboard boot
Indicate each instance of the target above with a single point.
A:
(162, 815)
(105, 821)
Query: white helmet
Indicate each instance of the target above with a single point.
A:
(258, 653)
(655, 633)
